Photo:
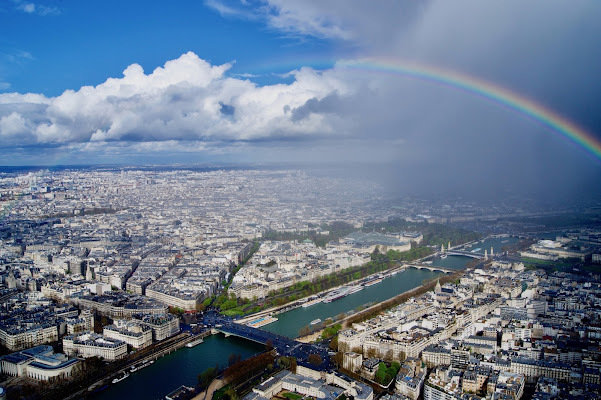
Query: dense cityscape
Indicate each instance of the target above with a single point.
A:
(104, 269)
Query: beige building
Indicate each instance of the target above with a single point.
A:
(23, 337)
(163, 326)
(134, 334)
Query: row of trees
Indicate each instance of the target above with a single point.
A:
(379, 262)
(336, 230)
(228, 302)
(241, 374)
(241, 370)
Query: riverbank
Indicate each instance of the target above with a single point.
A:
(298, 303)
(377, 308)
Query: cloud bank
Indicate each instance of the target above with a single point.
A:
(186, 99)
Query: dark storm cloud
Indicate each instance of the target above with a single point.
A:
(329, 104)
(448, 139)
(427, 135)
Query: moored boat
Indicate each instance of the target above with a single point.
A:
(311, 303)
(194, 342)
(121, 377)
(373, 281)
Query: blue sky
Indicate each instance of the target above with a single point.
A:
(69, 44)
(261, 81)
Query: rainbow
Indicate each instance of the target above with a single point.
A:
(484, 89)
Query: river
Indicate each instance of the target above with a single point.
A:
(183, 366)
(179, 368)
(290, 323)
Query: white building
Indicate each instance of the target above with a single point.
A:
(90, 344)
(39, 363)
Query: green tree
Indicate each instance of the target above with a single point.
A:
(314, 359)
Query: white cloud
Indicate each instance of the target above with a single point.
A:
(12, 125)
(230, 11)
(186, 99)
(33, 8)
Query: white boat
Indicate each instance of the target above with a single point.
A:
(337, 294)
(194, 342)
(372, 282)
(443, 256)
(141, 366)
(311, 303)
(355, 289)
(118, 379)
(315, 321)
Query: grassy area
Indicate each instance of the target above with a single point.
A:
(570, 265)
(291, 396)
(594, 268)
(434, 234)
(218, 395)
(527, 260)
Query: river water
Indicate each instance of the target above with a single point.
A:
(179, 368)
(290, 323)
(183, 366)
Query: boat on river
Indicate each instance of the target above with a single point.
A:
(138, 367)
(194, 342)
(337, 294)
(311, 303)
(354, 289)
(315, 321)
(373, 281)
(121, 377)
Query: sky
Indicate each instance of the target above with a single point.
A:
(286, 81)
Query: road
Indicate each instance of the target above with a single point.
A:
(215, 385)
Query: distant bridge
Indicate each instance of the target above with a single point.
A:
(432, 268)
(479, 256)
